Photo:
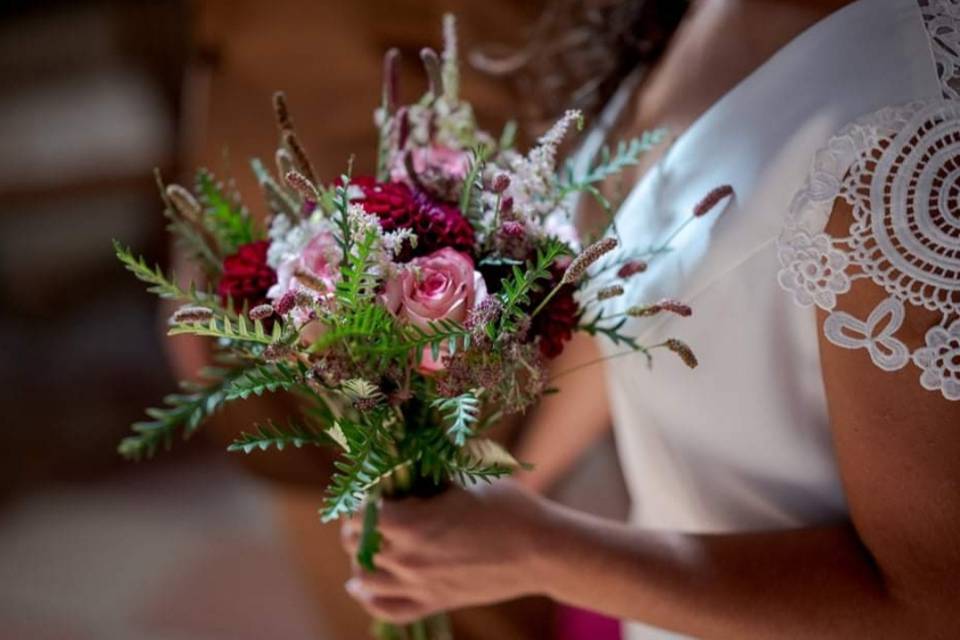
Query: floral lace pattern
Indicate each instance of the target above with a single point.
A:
(940, 361)
(942, 18)
(899, 171)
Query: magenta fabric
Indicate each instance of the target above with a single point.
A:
(578, 624)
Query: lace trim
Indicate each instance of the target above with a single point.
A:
(942, 20)
(899, 170)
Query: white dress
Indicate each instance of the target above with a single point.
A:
(863, 106)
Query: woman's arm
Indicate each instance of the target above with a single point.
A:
(893, 571)
(565, 424)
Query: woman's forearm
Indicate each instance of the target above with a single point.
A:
(816, 583)
(565, 424)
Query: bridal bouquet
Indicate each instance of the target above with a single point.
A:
(410, 309)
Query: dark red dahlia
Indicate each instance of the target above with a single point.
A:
(437, 224)
(247, 276)
(554, 325)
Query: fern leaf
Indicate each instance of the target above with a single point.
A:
(358, 279)
(597, 326)
(626, 154)
(367, 462)
(269, 436)
(516, 289)
(224, 216)
(163, 286)
(183, 411)
(461, 413)
(235, 330)
(482, 460)
(266, 378)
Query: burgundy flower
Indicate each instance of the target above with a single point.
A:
(555, 324)
(246, 276)
(437, 224)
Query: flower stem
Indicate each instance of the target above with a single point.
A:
(546, 300)
(436, 627)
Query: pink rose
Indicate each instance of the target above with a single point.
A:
(316, 269)
(440, 286)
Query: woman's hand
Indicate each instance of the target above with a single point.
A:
(462, 548)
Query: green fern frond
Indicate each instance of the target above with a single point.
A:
(221, 326)
(597, 326)
(369, 324)
(472, 186)
(340, 217)
(461, 413)
(266, 378)
(516, 289)
(269, 436)
(438, 458)
(439, 335)
(366, 462)
(186, 411)
(626, 154)
(354, 480)
(482, 460)
(224, 216)
(163, 286)
(358, 279)
(361, 389)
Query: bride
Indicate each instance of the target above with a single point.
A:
(805, 480)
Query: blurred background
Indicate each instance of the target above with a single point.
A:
(94, 96)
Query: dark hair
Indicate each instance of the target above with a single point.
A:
(579, 51)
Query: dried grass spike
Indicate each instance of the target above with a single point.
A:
(674, 306)
(299, 183)
(183, 201)
(431, 64)
(589, 255)
(191, 314)
(613, 291)
(632, 268)
(284, 162)
(300, 159)
(261, 312)
(711, 200)
(681, 349)
(391, 79)
(451, 63)
(285, 303)
(282, 112)
(310, 281)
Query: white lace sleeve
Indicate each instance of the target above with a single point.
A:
(899, 171)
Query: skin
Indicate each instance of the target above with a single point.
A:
(892, 570)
